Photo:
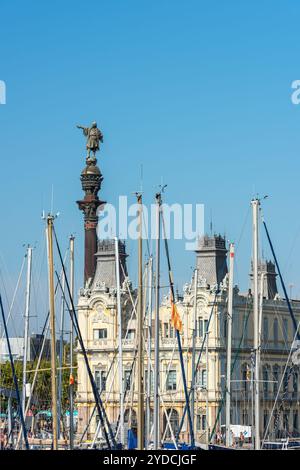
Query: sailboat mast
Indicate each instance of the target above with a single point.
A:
(71, 385)
(50, 220)
(119, 311)
(194, 375)
(140, 364)
(26, 327)
(150, 277)
(255, 208)
(156, 416)
(61, 348)
(229, 337)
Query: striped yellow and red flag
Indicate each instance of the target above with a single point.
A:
(72, 381)
(175, 317)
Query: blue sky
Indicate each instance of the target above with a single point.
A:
(197, 92)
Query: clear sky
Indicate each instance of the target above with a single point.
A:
(197, 92)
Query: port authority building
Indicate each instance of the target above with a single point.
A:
(98, 320)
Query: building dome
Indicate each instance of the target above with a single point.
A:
(91, 170)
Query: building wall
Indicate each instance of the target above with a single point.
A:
(99, 311)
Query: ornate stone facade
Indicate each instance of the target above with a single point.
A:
(98, 323)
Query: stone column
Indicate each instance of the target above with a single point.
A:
(91, 180)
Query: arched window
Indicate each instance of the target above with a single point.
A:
(174, 422)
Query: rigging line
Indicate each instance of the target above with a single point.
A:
(14, 376)
(36, 281)
(194, 372)
(147, 233)
(199, 357)
(161, 398)
(191, 425)
(232, 369)
(294, 241)
(161, 393)
(34, 378)
(151, 368)
(243, 229)
(126, 389)
(170, 362)
(135, 349)
(115, 355)
(282, 281)
(281, 381)
(73, 317)
(41, 346)
(102, 390)
(15, 293)
(7, 277)
(99, 404)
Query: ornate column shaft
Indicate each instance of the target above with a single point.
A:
(91, 180)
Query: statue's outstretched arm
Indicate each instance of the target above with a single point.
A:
(85, 129)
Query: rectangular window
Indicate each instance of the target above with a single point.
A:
(151, 380)
(225, 328)
(200, 327)
(100, 379)
(171, 380)
(286, 381)
(265, 382)
(131, 334)
(100, 333)
(172, 332)
(266, 330)
(266, 419)
(286, 330)
(166, 330)
(203, 378)
(276, 379)
(127, 380)
(275, 326)
(201, 422)
(205, 326)
(295, 384)
(286, 420)
(295, 421)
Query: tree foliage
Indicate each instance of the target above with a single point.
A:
(42, 390)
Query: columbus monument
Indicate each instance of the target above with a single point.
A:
(91, 179)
